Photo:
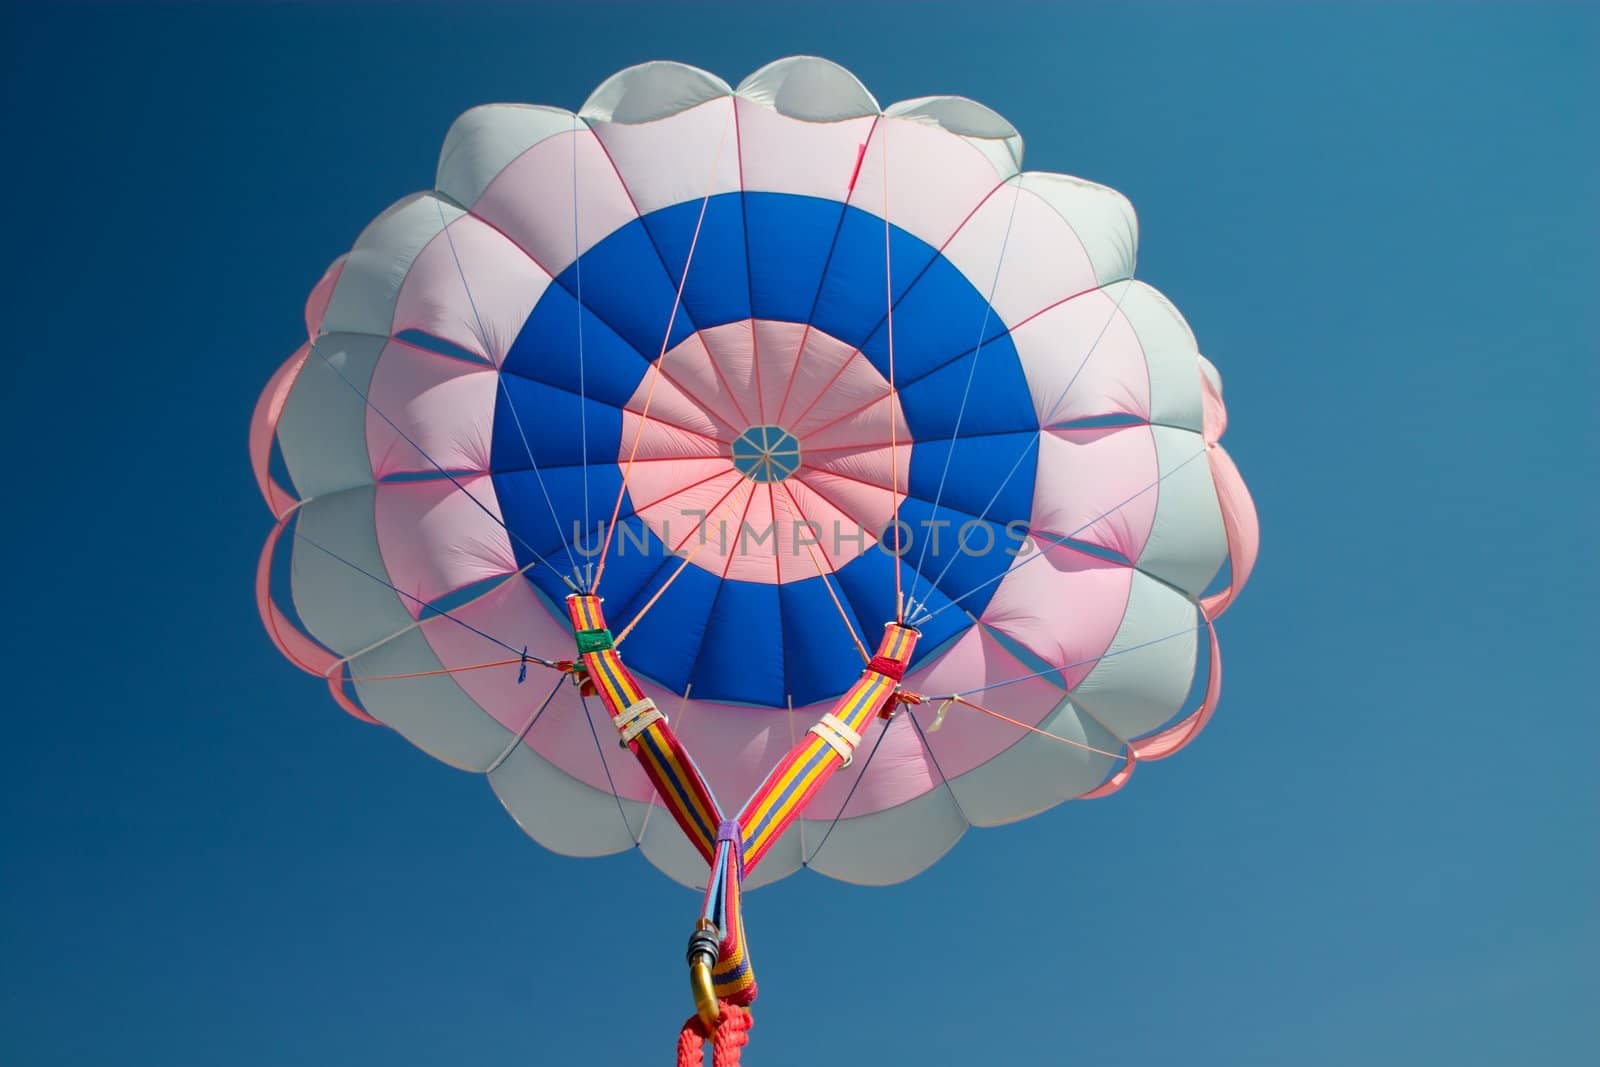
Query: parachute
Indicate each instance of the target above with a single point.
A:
(810, 450)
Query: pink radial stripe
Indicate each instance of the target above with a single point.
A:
(803, 542)
(717, 470)
(1027, 606)
(840, 537)
(672, 497)
(822, 359)
(879, 422)
(784, 366)
(1083, 360)
(714, 381)
(869, 503)
(702, 385)
(738, 541)
(472, 287)
(870, 465)
(753, 559)
(435, 538)
(785, 520)
(675, 415)
(664, 439)
(786, 530)
(696, 516)
(445, 406)
(1088, 487)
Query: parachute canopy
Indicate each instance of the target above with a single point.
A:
(765, 369)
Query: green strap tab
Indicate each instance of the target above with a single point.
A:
(593, 641)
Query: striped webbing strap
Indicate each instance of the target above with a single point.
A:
(644, 729)
(825, 748)
(733, 977)
(733, 847)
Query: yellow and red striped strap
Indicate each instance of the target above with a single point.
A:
(779, 801)
(733, 978)
(783, 796)
(671, 771)
(812, 761)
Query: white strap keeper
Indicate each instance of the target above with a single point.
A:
(839, 737)
(636, 718)
(839, 727)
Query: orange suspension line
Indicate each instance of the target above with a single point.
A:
(894, 460)
(1024, 726)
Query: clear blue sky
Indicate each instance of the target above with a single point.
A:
(1382, 223)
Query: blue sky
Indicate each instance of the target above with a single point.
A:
(1381, 222)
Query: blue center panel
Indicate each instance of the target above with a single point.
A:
(766, 454)
(575, 363)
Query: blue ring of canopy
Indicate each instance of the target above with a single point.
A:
(792, 259)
